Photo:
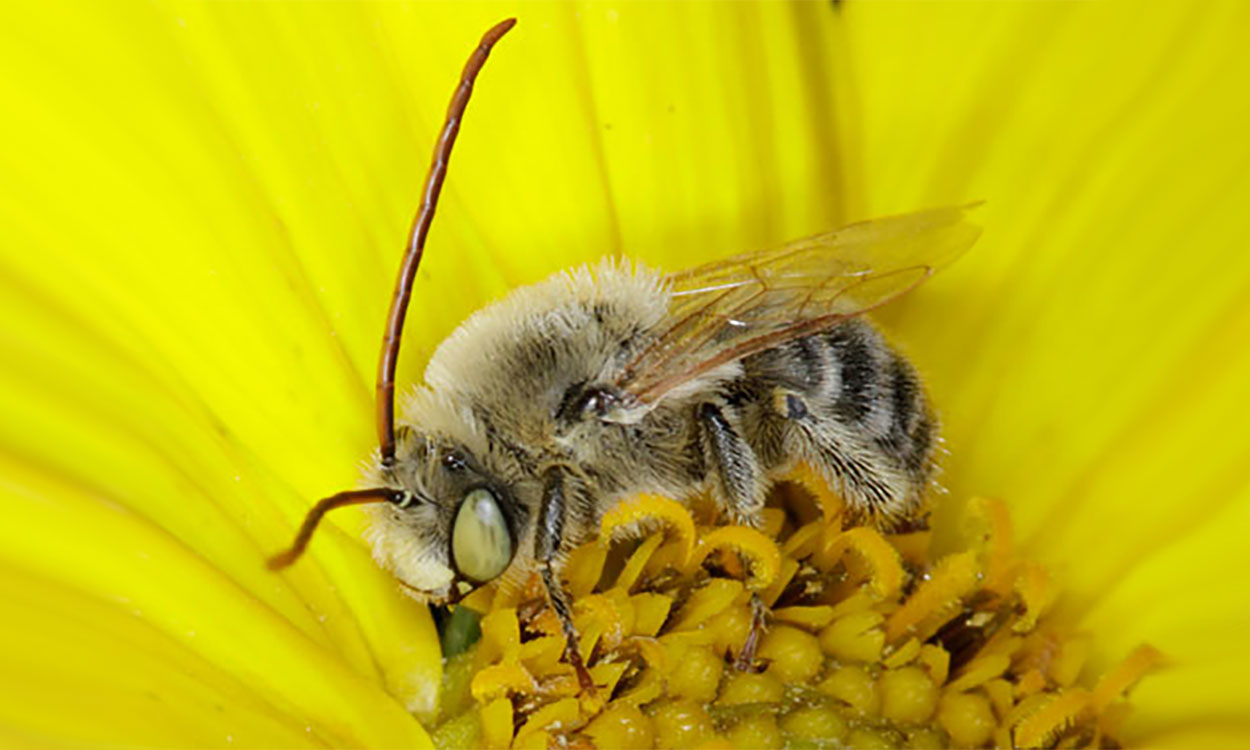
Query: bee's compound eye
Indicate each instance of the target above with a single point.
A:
(480, 541)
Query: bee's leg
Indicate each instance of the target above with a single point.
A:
(746, 657)
(742, 489)
(548, 539)
(734, 466)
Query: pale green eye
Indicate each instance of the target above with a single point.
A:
(480, 541)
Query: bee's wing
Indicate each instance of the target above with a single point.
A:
(729, 309)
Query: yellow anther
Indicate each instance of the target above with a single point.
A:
(641, 513)
(760, 552)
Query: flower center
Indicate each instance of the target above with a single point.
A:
(869, 640)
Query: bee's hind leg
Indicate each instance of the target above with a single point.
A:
(548, 539)
(736, 470)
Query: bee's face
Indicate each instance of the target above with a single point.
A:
(457, 529)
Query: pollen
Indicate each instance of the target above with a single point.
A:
(867, 640)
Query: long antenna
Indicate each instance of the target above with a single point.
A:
(416, 239)
(351, 497)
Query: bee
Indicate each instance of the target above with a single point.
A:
(545, 409)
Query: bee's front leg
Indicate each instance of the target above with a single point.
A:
(548, 540)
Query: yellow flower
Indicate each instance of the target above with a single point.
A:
(203, 207)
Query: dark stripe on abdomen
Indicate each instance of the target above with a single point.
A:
(857, 366)
(910, 438)
(904, 391)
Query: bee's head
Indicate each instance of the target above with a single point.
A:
(441, 522)
(458, 527)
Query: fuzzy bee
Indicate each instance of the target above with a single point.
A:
(545, 409)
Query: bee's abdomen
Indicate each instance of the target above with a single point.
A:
(856, 403)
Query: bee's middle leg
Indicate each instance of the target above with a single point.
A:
(548, 540)
(737, 470)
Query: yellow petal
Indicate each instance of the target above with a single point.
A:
(143, 623)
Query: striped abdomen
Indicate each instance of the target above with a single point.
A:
(846, 402)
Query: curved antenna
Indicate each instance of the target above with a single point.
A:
(342, 499)
(416, 240)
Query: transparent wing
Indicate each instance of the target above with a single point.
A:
(729, 309)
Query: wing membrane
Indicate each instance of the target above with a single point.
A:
(726, 310)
